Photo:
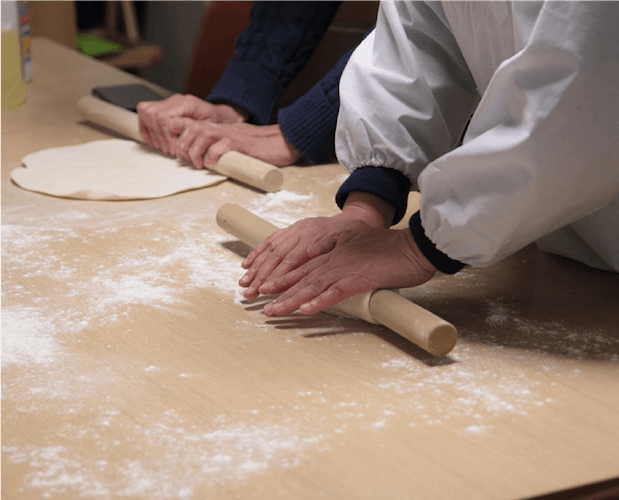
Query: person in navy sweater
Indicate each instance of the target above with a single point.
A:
(278, 42)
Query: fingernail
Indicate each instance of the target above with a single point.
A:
(185, 132)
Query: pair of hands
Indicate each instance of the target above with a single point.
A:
(200, 132)
(319, 262)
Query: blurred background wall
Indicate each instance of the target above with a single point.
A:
(173, 27)
(184, 46)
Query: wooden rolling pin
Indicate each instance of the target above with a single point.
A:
(384, 307)
(233, 164)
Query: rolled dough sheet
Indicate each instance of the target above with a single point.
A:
(113, 169)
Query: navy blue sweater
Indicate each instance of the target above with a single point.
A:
(280, 39)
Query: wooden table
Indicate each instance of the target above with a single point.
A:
(132, 367)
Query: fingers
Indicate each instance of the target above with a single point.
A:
(179, 124)
(281, 254)
(262, 247)
(315, 292)
(150, 116)
(199, 145)
(202, 143)
(146, 135)
(218, 148)
(155, 118)
(270, 266)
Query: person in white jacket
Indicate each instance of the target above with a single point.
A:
(538, 85)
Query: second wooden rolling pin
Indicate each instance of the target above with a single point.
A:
(384, 307)
(233, 164)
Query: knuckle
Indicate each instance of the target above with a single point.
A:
(276, 254)
(290, 260)
(337, 290)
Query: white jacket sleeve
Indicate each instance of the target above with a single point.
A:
(406, 93)
(541, 151)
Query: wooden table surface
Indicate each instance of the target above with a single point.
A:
(132, 368)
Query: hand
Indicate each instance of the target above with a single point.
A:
(372, 259)
(203, 142)
(156, 118)
(292, 247)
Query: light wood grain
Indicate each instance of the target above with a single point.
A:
(132, 368)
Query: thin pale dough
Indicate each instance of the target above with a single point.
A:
(113, 169)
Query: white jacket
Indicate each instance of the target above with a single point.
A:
(540, 158)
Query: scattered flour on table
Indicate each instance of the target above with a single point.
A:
(549, 336)
(54, 297)
(464, 390)
(26, 335)
(164, 457)
(148, 266)
(145, 274)
(169, 460)
(283, 207)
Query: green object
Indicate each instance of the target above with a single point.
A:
(94, 46)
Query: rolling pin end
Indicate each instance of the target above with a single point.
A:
(273, 181)
(442, 340)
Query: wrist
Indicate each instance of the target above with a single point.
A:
(231, 113)
(293, 153)
(415, 254)
(439, 260)
(371, 209)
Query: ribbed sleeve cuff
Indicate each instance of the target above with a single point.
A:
(437, 258)
(309, 124)
(251, 87)
(386, 183)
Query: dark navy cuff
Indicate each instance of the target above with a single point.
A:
(386, 183)
(309, 124)
(437, 258)
(251, 87)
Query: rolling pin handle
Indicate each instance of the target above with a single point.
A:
(243, 168)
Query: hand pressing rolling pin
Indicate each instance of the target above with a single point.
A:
(283, 261)
(318, 262)
(233, 164)
(200, 132)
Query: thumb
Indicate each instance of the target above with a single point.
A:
(215, 151)
(178, 124)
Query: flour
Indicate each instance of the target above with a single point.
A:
(462, 390)
(543, 336)
(146, 274)
(158, 268)
(282, 208)
(27, 336)
(179, 459)
(101, 293)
